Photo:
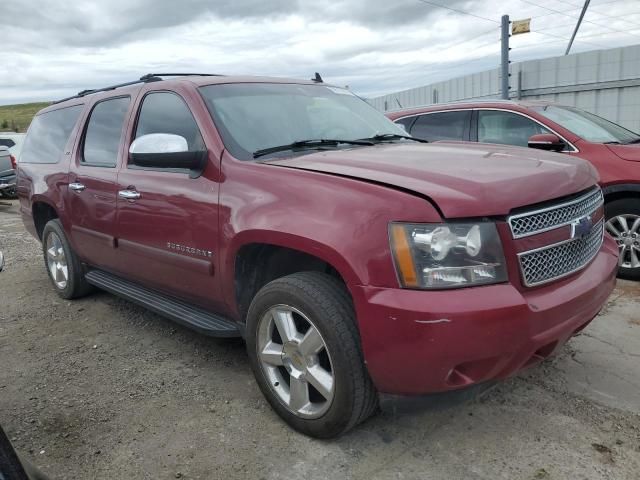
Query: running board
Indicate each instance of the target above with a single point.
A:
(181, 312)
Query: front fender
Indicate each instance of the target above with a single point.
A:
(342, 221)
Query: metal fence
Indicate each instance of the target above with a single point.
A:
(605, 82)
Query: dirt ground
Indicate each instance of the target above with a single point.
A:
(100, 388)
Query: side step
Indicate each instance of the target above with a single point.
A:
(181, 312)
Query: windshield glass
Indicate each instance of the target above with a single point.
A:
(255, 116)
(587, 125)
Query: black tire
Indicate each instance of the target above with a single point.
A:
(325, 301)
(76, 286)
(630, 207)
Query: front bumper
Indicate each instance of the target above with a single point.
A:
(418, 342)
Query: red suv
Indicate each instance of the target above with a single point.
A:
(354, 260)
(612, 149)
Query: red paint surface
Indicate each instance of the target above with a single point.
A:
(336, 206)
(616, 164)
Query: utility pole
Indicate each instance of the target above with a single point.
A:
(584, 10)
(505, 57)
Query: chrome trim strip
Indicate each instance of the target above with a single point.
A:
(435, 111)
(551, 208)
(599, 225)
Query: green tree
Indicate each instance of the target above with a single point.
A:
(4, 124)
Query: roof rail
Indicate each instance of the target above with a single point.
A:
(149, 77)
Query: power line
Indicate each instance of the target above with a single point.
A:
(566, 38)
(610, 17)
(459, 11)
(562, 38)
(474, 38)
(575, 18)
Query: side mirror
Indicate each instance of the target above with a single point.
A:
(165, 150)
(1, 261)
(546, 141)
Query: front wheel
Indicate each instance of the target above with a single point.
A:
(304, 350)
(623, 223)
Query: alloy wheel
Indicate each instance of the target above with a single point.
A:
(57, 261)
(625, 229)
(295, 361)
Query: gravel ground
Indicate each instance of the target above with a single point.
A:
(100, 388)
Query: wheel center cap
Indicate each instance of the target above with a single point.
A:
(292, 358)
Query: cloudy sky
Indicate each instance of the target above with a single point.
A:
(54, 48)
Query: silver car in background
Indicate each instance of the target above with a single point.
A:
(8, 167)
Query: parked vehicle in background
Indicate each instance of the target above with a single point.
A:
(612, 149)
(13, 141)
(7, 173)
(354, 260)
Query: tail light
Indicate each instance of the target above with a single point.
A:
(14, 163)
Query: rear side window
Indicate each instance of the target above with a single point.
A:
(442, 126)
(6, 142)
(48, 134)
(104, 132)
(165, 112)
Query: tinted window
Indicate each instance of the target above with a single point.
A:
(506, 128)
(167, 113)
(104, 132)
(6, 142)
(442, 126)
(48, 135)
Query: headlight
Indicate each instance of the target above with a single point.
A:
(447, 255)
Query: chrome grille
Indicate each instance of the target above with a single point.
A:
(556, 261)
(545, 219)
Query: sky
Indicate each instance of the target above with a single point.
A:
(55, 48)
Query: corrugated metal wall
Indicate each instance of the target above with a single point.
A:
(605, 82)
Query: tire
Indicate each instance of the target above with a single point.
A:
(60, 260)
(311, 300)
(625, 214)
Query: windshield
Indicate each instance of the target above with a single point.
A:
(257, 116)
(587, 125)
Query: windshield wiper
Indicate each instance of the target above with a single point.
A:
(313, 143)
(637, 140)
(382, 137)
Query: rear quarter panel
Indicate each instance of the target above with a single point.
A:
(46, 182)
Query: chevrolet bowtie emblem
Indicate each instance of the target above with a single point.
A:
(581, 227)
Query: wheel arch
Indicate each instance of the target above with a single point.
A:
(620, 191)
(42, 212)
(258, 259)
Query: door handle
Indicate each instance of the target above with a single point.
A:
(76, 187)
(129, 194)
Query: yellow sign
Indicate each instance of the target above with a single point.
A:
(521, 26)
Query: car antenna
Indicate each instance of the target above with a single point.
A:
(317, 78)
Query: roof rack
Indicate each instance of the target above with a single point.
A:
(149, 77)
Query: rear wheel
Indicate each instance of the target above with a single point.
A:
(63, 266)
(623, 223)
(304, 350)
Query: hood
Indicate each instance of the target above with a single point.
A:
(626, 152)
(463, 180)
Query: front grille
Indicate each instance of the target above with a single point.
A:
(545, 219)
(556, 261)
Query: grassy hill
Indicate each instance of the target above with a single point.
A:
(16, 118)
